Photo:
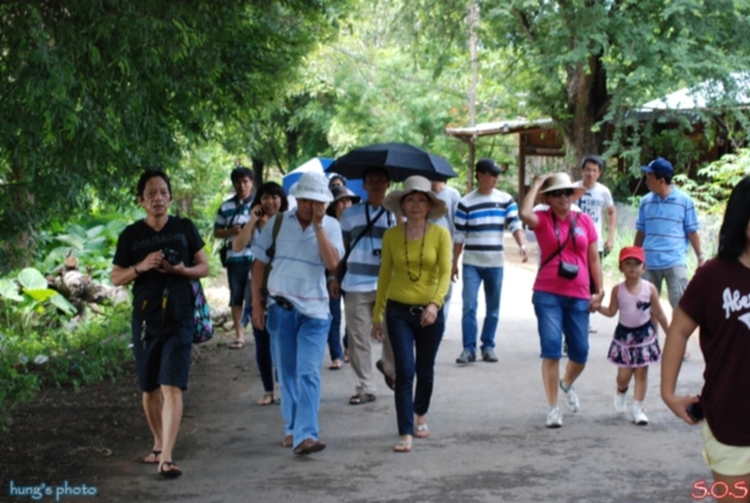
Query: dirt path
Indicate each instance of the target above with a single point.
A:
(488, 439)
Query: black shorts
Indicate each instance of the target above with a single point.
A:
(237, 275)
(166, 358)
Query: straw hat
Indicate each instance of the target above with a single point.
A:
(415, 183)
(562, 181)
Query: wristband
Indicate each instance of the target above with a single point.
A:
(331, 278)
(136, 271)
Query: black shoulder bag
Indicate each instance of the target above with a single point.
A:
(564, 269)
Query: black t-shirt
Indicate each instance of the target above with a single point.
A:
(150, 287)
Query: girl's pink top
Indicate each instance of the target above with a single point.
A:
(635, 310)
(547, 279)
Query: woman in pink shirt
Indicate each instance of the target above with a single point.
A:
(568, 244)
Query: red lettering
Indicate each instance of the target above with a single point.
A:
(742, 488)
(700, 485)
(717, 495)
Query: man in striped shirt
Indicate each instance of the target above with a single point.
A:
(481, 219)
(666, 222)
(232, 215)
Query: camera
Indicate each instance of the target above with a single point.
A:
(695, 411)
(171, 256)
(377, 253)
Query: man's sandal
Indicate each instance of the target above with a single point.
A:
(146, 461)
(237, 345)
(172, 472)
(361, 398)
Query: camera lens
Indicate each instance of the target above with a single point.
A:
(376, 253)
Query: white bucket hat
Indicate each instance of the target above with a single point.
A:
(415, 183)
(313, 186)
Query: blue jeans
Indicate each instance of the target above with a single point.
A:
(334, 333)
(493, 284)
(406, 335)
(557, 315)
(298, 345)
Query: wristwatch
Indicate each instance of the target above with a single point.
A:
(317, 227)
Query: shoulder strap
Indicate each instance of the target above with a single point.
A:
(271, 252)
(560, 247)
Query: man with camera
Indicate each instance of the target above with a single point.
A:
(161, 254)
(363, 226)
(233, 214)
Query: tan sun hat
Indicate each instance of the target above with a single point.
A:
(415, 183)
(562, 181)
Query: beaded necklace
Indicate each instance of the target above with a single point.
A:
(421, 255)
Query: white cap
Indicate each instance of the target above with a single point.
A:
(313, 186)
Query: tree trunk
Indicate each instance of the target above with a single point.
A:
(258, 165)
(587, 102)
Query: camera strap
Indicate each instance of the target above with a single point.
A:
(560, 247)
(368, 228)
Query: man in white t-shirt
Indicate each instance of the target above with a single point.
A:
(597, 200)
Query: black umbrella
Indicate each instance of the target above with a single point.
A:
(400, 159)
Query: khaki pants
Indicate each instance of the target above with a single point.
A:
(358, 308)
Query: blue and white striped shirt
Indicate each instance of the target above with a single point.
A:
(666, 224)
(363, 264)
(481, 220)
(231, 213)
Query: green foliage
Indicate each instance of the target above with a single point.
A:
(716, 182)
(94, 349)
(26, 303)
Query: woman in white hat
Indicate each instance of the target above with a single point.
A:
(562, 298)
(413, 280)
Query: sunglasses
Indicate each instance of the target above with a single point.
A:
(561, 192)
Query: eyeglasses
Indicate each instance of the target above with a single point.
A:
(561, 192)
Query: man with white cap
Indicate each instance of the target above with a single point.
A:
(306, 243)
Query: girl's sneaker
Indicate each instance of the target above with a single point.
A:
(621, 401)
(639, 417)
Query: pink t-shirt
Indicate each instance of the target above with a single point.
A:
(547, 279)
(635, 310)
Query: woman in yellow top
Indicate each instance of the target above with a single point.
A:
(413, 280)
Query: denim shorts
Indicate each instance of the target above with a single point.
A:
(559, 315)
(237, 276)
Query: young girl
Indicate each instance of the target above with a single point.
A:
(635, 345)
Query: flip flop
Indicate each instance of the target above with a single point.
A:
(154, 462)
(172, 473)
(237, 345)
(336, 365)
(402, 446)
(421, 430)
(362, 398)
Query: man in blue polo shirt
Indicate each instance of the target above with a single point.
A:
(667, 222)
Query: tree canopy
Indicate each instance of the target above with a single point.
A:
(92, 91)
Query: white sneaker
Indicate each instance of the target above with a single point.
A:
(639, 417)
(621, 401)
(571, 398)
(554, 417)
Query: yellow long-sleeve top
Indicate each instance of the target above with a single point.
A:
(393, 280)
